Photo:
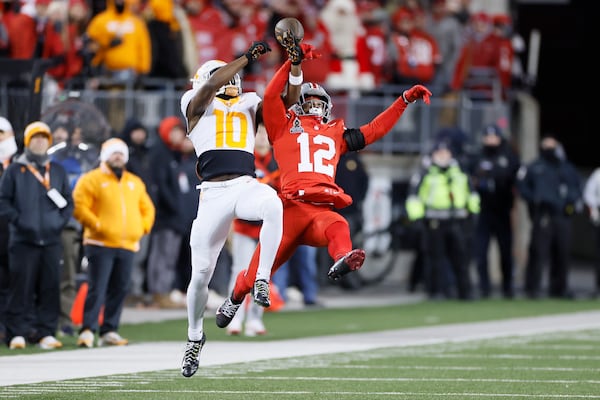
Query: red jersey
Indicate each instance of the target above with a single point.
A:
(23, 36)
(308, 149)
(417, 55)
(506, 55)
(483, 53)
(375, 43)
(54, 46)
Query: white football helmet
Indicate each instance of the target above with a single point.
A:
(207, 69)
(321, 106)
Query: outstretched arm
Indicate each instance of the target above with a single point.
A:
(206, 93)
(275, 102)
(385, 121)
(274, 108)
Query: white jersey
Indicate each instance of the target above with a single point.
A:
(224, 135)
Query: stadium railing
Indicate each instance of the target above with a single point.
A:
(150, 100)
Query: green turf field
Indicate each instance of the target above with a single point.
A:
(556, 366)
(549, 366)
(304, 323)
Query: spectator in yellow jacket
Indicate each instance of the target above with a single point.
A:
(122, 42)
(115, 210)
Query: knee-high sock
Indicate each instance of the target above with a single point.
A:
(338, 236)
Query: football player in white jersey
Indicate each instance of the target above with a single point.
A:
(221, 123)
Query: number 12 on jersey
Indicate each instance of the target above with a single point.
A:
(319, 160)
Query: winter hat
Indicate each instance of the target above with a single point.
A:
(5, 125)
(111, 146)
(501, 20)
(131, 125)
(440, 145)
(166, 126)
(492, 129)
(35, 128)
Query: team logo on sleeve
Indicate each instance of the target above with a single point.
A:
(296, 126)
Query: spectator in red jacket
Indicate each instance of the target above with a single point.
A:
(415, 52)
(31, 35)
(375, 21)
(5, 16)
(481, 52)
(209, 26)
(501, 32)
(63, 42)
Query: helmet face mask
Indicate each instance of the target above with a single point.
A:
(314, 100)
(231, 89)
(314, 106)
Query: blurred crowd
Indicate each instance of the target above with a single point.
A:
(363, 43)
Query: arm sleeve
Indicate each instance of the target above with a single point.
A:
(7, 194)
(384, 122)
(523, 185)
(96, 31)
(274, 111)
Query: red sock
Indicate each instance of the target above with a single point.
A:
(338, 236)
(241, 288)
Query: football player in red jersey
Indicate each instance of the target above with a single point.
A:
(307, 144)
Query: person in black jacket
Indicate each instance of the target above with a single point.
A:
(8, 148)
(494, 178)
(35, 197)
(137, 137)
(552, 189)
(169, 227)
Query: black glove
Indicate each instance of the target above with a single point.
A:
(115, 42)
(292, 47)
(256, 50)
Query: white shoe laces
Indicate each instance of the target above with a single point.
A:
(229, 308)
(192, 349)
(261, 288)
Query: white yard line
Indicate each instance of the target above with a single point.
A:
(82, 363)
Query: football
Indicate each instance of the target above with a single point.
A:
(291, 25)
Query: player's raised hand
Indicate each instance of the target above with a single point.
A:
(416, 92)
(256, 50)
(295, 52)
